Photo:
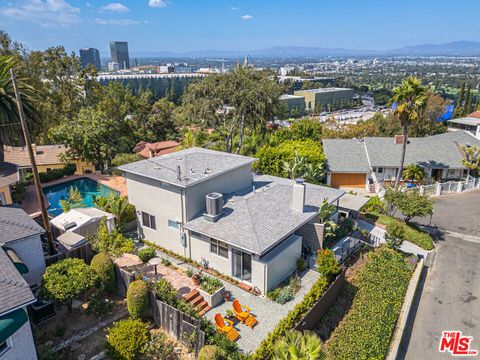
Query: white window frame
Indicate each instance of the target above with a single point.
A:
(216, 243)
(171, 226)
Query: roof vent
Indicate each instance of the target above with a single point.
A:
(214, 202)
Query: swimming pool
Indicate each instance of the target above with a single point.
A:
(87, 187)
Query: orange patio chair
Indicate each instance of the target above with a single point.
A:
(242, 313)
(228, 330)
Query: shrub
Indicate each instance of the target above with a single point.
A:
(286, 291)
(47, 353)
(374, 206)
(394, 234)
(159, 347)
(210, 284)
(112, 243)
(103, 266)
(301, 264)
(146, 254)
(366, 330)
(208, 352)
(55, 174)
(99, 305)
(327, 264)
(138, 299)
(164, 291)
(166, 262)
(67, 279)
(265, 350)
(189, 272)
(126, 339)
(411, 233)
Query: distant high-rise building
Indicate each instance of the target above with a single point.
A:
(119, 53)
(90, 56)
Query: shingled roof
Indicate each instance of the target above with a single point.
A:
(257, 221)
(15, 224)
(8, 174)
(14, 290)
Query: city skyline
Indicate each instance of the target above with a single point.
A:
(182, 26)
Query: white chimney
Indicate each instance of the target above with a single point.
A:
(298, 198)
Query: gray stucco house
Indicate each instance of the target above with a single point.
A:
(16, 339)
(208, 206)
(364, 162)
(20, 238)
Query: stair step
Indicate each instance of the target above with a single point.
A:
(191, 295)
(204, 310)
(201, 305)
(196, 300)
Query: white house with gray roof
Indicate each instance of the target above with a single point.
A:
(358, 163)
(206, 205)
(20, 238)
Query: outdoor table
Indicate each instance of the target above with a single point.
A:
(155, 262)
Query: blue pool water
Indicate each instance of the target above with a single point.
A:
(87, 187)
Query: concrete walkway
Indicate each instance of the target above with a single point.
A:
(267, 312)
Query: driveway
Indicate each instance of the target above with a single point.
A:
(450, 299)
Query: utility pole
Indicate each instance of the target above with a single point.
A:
(36, 177)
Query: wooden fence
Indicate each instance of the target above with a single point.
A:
(82, 252)
(321, 307)
(179, 325)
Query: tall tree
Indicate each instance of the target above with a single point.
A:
(468, 104)
(10, 129)
(408, 99)
(459, 111)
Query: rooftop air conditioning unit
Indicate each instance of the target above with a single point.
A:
(214, 202)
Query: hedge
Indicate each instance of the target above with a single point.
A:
(138, 299)
(411, 233)
(208, 352)
(55, 174)
(104, 268)
(126, 339)
(265, 350)
(366, 330)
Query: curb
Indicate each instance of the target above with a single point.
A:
(405, 312)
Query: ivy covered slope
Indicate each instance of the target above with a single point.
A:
(366, 330)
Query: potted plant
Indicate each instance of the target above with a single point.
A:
(229, 314)
(197, 278)
(227, 295)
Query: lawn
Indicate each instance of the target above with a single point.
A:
(380, 286)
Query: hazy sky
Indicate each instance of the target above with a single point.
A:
(184, 25)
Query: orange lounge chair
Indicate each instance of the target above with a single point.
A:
(228, 330)
(242, 313)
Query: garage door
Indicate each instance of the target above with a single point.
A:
(348, 180)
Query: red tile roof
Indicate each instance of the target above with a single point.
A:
(475, 114)
(158, 148)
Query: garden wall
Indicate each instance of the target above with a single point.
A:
(323, 305)
(82, 252)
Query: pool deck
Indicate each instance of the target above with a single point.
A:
(30, 202)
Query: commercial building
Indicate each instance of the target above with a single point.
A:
(90, 56)
(295, 104)
(207, 206)
(119, 54)
(321, 98)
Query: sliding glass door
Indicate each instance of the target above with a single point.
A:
(242, 265)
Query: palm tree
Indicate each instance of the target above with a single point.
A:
(10, 129)
(413, 172)
(297, 346)
(294, 168)
(408, 101)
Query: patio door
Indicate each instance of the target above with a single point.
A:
(242, 265)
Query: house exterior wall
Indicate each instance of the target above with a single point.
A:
(278, 267)
(195, 195)
(30, 251)
(22, 345)
(312, 234)
(200, 248)
(84, 166)
(163, 201)
(5, 195)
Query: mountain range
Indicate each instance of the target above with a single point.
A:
(454, 48)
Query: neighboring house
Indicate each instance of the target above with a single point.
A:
(8, 177)
(149, 150)
(363, 163)
(16, 339)
(20, 238)
(82, 221)
(206, 205)
(471, 123)
(47, 157)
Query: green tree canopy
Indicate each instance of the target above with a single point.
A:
(410, 203)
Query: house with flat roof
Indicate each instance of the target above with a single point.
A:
(319, 99)
(358, 163)
(207, 206)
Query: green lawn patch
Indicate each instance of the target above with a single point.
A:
(366, 330)
(412, 233)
